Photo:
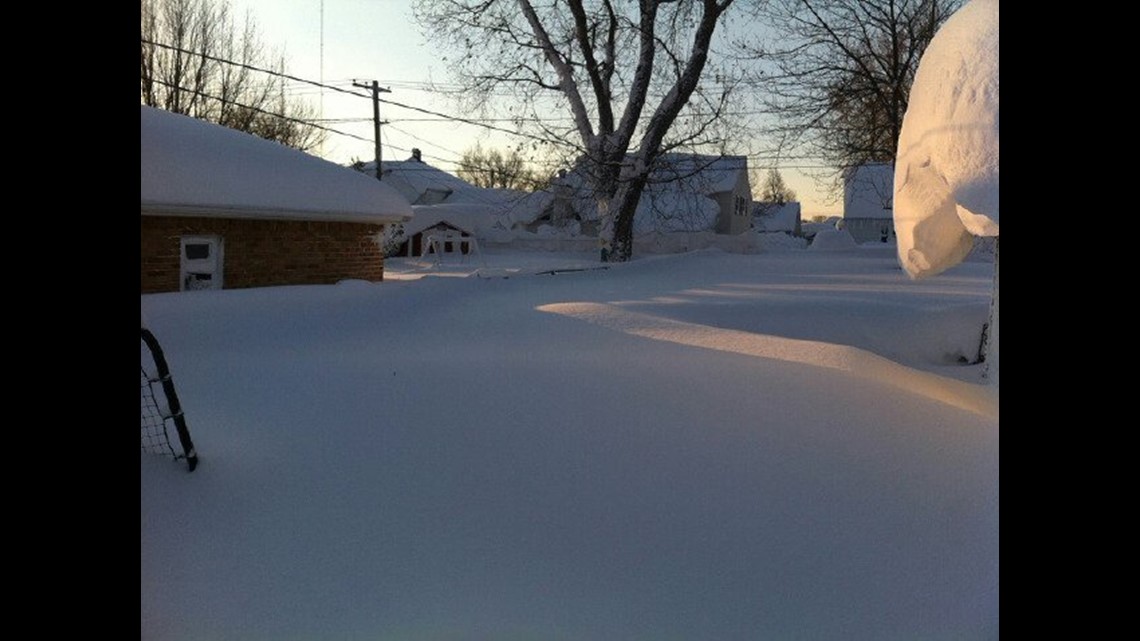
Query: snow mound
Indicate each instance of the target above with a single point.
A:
(967, 396)
(946, 175)
(780, 241)
(833, 240)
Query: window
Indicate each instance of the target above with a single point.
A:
(197, 251)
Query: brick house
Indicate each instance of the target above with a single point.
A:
(225, 209)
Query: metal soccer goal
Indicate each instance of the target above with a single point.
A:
(161, 408)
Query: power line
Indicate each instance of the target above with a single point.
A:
(253, 68)
(427, 142)
(268, 113)
(360, 95)
(439, 116)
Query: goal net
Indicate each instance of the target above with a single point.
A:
(161, 410)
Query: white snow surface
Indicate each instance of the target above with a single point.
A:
(698, 446)
(833, 240)
(946, 176)
(190, 166)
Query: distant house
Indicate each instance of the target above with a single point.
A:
(420, 183)
(225, 209)
(868, 195)
(775, 217)
(440, 201)
(685, 193)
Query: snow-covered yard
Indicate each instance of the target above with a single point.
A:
(702, 446)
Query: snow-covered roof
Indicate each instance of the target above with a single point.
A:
(192, 167)
(422, 184)
(525, 208)
(946, 183)
(700, 173)
(669, 209)
(472, 218)
(868, 191)
(775, 217)
(442, 197)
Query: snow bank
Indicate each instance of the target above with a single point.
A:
(832, 240)
(780, 241)
(967, 396)
(682, 242)
(946, 176)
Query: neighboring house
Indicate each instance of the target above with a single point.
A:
(551, 208)
(440, 202)
(685, 193)
(868, 195)
(224, 209)
(421, 184)
(723, 179)
(776, 217)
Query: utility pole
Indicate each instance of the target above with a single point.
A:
(376, 89)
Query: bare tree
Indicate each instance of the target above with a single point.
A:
(774, 189)
(837, 73)
(626, 72)
(197, 61)
(495, 169)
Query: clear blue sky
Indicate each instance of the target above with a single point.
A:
(338, 41)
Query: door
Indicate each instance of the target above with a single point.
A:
(201, 262)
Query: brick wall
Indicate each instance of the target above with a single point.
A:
(260, 253)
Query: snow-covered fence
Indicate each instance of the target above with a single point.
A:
(537, 243)
(680, 242)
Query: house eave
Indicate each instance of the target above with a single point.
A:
(268, 213)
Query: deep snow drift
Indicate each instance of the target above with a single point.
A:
(702, 446)
(946, 175)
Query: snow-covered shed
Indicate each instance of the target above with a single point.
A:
(225, 209)
(464, 219)
(868, 199)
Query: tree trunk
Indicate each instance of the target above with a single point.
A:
(617, 246)
(991, 367)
